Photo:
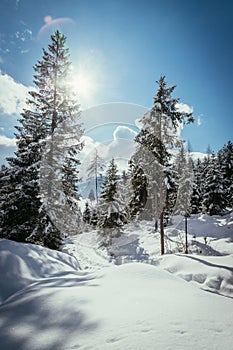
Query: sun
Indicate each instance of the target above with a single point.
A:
(89, 78)
(84, 84)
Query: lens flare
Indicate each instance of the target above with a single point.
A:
(65, 25)
(47, 19)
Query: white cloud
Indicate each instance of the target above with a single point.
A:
(123, 146)
(6, 141)
(12, 95)
(124, 132)
(120, 148)
(199, 120)
(184, 108)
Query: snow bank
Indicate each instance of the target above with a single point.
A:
(22, 264)
(214, 274)
(132, 306)
(81, 300)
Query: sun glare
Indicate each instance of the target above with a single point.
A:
(85, 86)
(88, 77)
(82, 84)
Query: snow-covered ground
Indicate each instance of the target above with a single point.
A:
(126, 297)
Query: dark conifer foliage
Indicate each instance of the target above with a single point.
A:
(111, 210)
(214, 199)
(225, 160)
(197, 195)
(94, 217)
(139, 195)
(87, 214)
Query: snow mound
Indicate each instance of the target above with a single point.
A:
(23, 264)
(52, 304)
(213, 274)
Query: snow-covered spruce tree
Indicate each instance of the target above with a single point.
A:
(185, 189)
(156, 139)
(185, 178)
(21, 202)
(95, 169)
(124, 191)
(87, 214)
(138, 185)
(111, 211)
(39, 160)
(225, 160)
(94, 217)
(214, 199)
(5, 192)
(59, 174)
(198, 182)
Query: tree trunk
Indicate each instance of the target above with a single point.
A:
(162, 232)
(186, 233)
(96, 188)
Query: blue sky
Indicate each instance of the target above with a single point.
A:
(119, 48)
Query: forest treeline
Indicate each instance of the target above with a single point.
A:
(39, 189)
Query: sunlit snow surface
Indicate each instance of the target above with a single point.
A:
(134, 299)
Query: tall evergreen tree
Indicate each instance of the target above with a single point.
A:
(214, 200)
(95, 169)
(197, 195)
(185, 189)
(123, 190)
(87, 214)
(156, 138)
(225, 160)
(138, 196)
(41, 164)
(94, 217)
(111, 209)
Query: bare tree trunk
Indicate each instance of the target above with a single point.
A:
(96, 188)
(186, 233)
(156, 225)
(162, 232)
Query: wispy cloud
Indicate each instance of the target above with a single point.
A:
(24, 35)
(6, 141)
(12, 95)
(17, 3)
(24, 51)
(199, 120)
(12, 101)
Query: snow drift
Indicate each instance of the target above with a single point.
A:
(50, 303)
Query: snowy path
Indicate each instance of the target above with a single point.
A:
(85, 249)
